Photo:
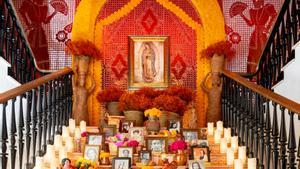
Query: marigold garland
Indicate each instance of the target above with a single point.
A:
(220, 48)
(83, 48)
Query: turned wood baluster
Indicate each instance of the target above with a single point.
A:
(246, 116)
(59, 103)
(3, 137)
(298, 153)
(235, 107)
(13, 133)
(54, 111)
(64, 102)
(27, 127)
(275, 137)
(261, 132)
(44, 119)
(256, 124)
(20, 133)
(238, 112)
(282, 140)
(294, 21)
(289, 35)
(267, 135)
(39, 120)
(50, 139)
(251, 125)
(34, 123)
(292, 143)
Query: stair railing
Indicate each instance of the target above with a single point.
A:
(30, 116)
(263, 120)
(14, 47)
(278, 49)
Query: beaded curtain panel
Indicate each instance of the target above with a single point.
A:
(47, 30)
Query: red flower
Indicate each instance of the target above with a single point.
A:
(220, 48)
(133, 143)
(110, 94)
(132, 101)
(178, 145)
(83, 48)
(169, 103)
(183, 93)
(84, 134)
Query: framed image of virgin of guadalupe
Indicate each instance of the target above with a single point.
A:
(148, 61)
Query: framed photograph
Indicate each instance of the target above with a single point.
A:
(190, 135)
(137, 133)
(201, 153)
(115, 120)
(174, 125)
(196, 164)
(121, 163)
(149, 61)
(95, 139)
(157, 144)
(109, 130)
(203, 143)
(126, 125)
(145, 157)
(91, 152)
(125, 152)
(203, 134)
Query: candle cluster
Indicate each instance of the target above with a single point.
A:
(229, 145)
(68, 142)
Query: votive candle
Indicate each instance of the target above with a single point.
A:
(39, 163)
(50, 154)
(238, 164)
(69, 144)
(217, 136)
(65, 131)
(210, 129)
(242, 154)
(235, 143)
(62, 153)
(227, 134)
(251, 163)
(77, 134)
(230, 156)
(83, 126)
(220, 126)
(72, 126)
(223, 145)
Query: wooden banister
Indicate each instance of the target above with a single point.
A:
(31, 85)
(281, 100)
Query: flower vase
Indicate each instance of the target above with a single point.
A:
(152, 125)
(180, 158)
(112, 108)
(104, 161)
(113, 148)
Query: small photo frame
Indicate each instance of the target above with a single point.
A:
(121, 163)
(203, 143)
(95, 139)
(174, 125)
(91, 153)
(126, 125)
(203, 134)
(157, 144)
(201, 153)
(115, 120)
(125, 152)
(109, 130)
(137, 133)
(145, 157)
(196, 164)
(190, 135)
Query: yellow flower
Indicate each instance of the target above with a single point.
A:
(154, 112)
(104, 154)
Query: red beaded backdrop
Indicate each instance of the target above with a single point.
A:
(149, 18)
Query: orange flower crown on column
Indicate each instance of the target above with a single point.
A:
(220, 48)
(83, 48)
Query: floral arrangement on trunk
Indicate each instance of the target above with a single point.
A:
(83, 48)
(220, 48)
(154, 112)
(110, 94)
(178, 145)
(169, 103)
(133, 101)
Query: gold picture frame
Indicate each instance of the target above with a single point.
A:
(148, 61)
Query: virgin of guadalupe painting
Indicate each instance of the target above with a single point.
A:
(149, 61)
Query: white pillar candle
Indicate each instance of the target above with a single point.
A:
(83, 126)
(54, 164)
(227, 134)
(210, 129)
(50, 154)
(220, 126)
(65, 131)
(238, 164)
(62, 153)
(57, 142)
(223, 145)
(230, 156)
(251, 163)
(235, 143)
(217, 136)
(72, 126)
(77, 134)
(242, 154)
(39, 163)
(69, 144)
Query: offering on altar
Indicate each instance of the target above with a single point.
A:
(66, 164)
